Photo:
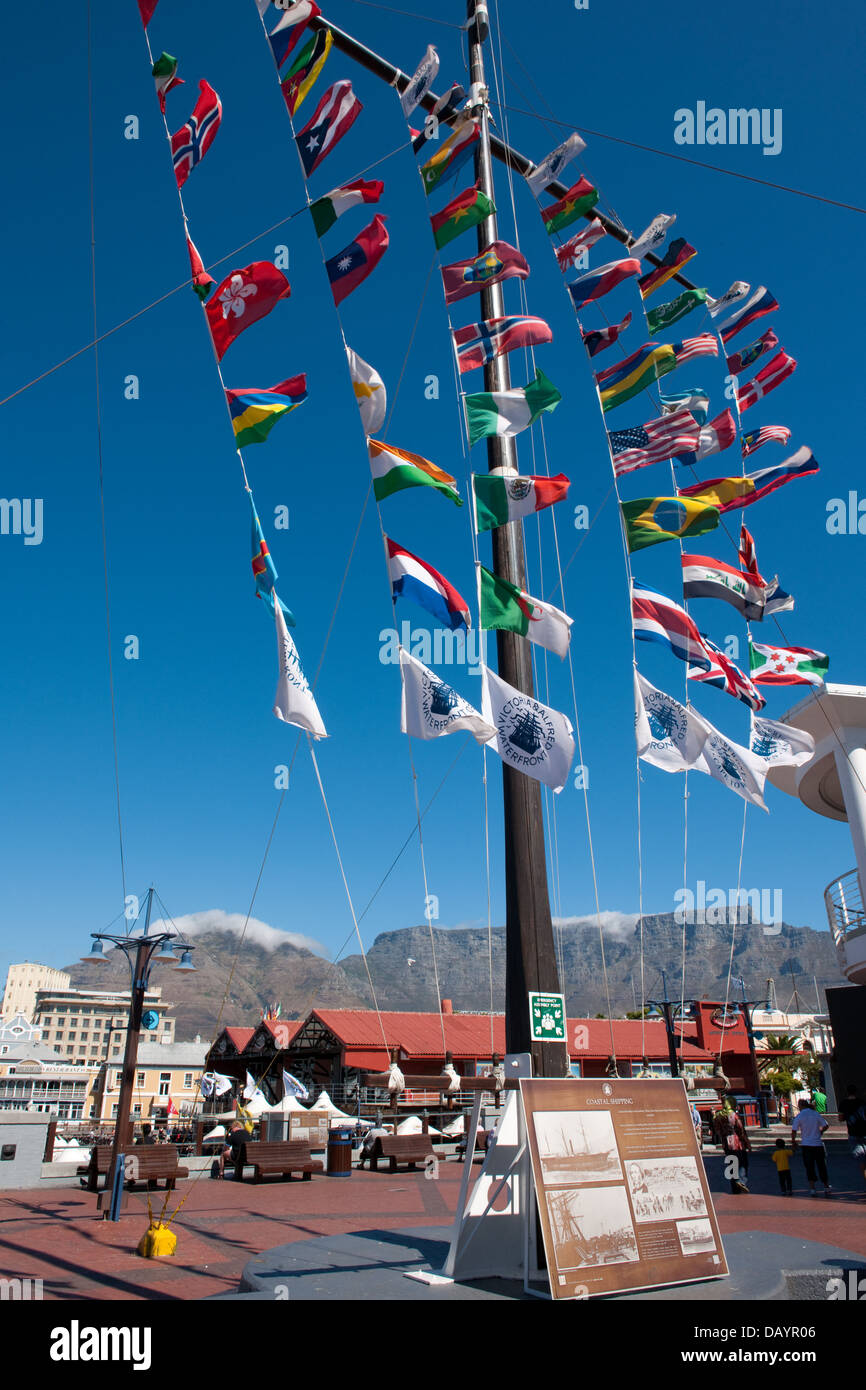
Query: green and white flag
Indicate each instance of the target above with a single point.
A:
(666, 314)
(786, 665)
(509, 412)
(529, 736)
(431, 708)
(505, 606)
(504, 497)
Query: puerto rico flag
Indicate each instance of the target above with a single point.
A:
(481, 342)
(602, 281)
(777, 370)
(759, 303)
(190, 144)
(657, 618)
(739, 361)
(335, 113)
(355, 262)
(414, 579)
(597, 339)
(753, 440)
(724, 674)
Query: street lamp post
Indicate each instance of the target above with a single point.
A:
(747, 1005)
(141, 952)
(666, 1008)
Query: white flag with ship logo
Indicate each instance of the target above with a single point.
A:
(528, 736)
(780, 744)
(293, 702)
(668, 735)
(432, 708)
(735, 766)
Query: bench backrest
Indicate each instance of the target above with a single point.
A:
(154, 1161)
(395, 1145)
(278, 1150)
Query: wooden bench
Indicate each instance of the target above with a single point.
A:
(401, 1148)
(154, 1161)
(282, 1156)
(100, 1158)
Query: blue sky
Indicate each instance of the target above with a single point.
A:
(197, 743)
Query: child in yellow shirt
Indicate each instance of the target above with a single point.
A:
(782, 1159)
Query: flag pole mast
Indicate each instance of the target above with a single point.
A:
(530, 958)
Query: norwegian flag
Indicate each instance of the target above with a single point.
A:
(481, 342)
(705, 345)
(776, 371)
(724, 674)
(190, 144)
(652, 442)
(753, 440)
(571, 254)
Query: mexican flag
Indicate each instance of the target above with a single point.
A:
(395, 469)
(503, 605)
(786, 665)
(500, 498)
(509, 412)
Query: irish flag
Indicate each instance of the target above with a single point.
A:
(503, 605)
(503, 498)
(786, 665)
(396, 469)
(509, 412)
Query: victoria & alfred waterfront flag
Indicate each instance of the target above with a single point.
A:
(653, 236)
(668, 735)
(421, 81)
(780, 745)
(293, 702)
(529, 736)
(432, 708)
(552, 165)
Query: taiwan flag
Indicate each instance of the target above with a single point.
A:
(353, 264)
(244, 297)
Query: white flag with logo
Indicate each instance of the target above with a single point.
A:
(214, 1083)
(735, 766)
(668, 735)
(779, 744)
(739, 289)
(293, 1087)
(551, 167)
(369, 392)
(421, 80)
(293, 702)
(654, 236)
(529, 736)
(431, 708)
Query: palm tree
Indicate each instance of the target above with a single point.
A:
(777, 1042)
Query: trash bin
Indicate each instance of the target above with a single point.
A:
(340, 1153)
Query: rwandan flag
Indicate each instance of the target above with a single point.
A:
(650, 520)
(255, 410)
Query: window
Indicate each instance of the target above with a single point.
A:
(85, 1037)
(136, 1110)
(574, 1068)
(115, 1051)
(72, 1035)
(114, 1112)
(187, 1081)
(118, 1077)
(69, 1051)
(164, 1082)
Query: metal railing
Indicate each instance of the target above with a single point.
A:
(843, 899)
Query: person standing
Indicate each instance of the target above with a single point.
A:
(810, 1126)
(731, 1134)
(819, 1100)
(782, 1160)
(853, 1112)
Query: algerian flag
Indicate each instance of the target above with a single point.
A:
(786, 665)
(431, 708)
(293, 702)
(653, 237)
(550, 168)
(509, 412)
(668, 735)
(736, 767)
(369, 391)
(529, 736)
(504, 497)
(780, 744)
(503, 605)
(421, 81)
(395, 469)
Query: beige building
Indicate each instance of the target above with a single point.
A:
(166, 1078)
(22, 983)
(89, 1026)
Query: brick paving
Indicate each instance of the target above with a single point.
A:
(58, 1236)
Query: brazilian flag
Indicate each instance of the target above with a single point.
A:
(650, 520)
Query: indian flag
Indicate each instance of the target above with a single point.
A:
(500, 498)
(786, 665)
(509, 412)
(396, 469)
(503, 605)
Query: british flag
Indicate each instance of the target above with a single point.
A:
(190, 144)
(724, 674)
(479, 343)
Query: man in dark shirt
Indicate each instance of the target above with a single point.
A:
(233, 1151)
(853, 1111)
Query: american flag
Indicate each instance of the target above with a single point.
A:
(767, 434)
(705, 345)
(652, 442)
(724, 674)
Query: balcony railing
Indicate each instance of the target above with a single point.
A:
(846, 914)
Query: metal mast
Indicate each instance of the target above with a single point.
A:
(530, 959)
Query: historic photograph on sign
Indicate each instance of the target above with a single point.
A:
(577, 1147)
(591, 1226)
(696, 1237)
(663, 1189)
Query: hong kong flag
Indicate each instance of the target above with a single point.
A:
(244, 297)
(352, 265)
